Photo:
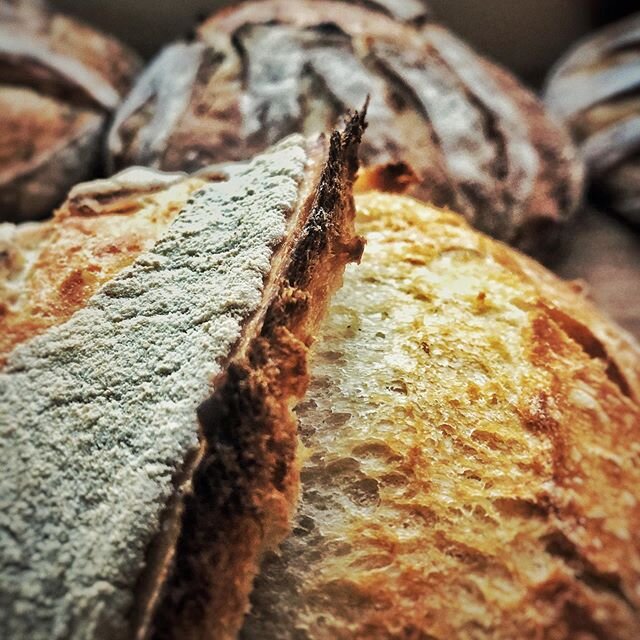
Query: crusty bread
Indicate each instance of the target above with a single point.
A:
(476, 139)
(594, 88)
(470, 450)
(49, 270)
(59, 82)
(147, 442)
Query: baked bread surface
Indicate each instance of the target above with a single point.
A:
(469, 447)
(59, 82)
(49, 270)
(594, 89)
(112, 452)
(476, 139)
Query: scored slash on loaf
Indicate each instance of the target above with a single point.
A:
(153, 409)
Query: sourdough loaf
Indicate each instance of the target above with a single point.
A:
(158, 330)
(470, 452)
(59, 82)
(594, 88)
(476, 139)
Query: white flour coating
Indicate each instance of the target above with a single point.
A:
(96, 415)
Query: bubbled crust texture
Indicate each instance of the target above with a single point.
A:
(595, 88)
(60, 81)
(470, 463)
(475, 138)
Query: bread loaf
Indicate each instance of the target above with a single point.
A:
(158, 330)
(594, 88)
(59, 82)
(476, 139)
(469, 449)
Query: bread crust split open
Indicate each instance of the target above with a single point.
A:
(156, 334)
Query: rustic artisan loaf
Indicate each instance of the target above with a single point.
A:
(59, 82)
(475, 138)
(595, 89)
(470, 452)
(147, 443)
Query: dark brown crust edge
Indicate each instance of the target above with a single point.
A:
(246, 483)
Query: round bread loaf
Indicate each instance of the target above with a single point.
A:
(470, 452)
(595, 88)
(476, 140)
(59, 82)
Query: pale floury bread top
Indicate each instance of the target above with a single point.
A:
(470, 452)
(136, 325)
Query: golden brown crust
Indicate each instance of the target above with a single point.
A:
(470, 456)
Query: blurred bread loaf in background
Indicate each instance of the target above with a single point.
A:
(59, 82)
(595, 88)
(475, 138)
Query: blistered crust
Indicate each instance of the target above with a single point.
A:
(469, 456)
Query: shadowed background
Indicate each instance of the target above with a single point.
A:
(525, 35)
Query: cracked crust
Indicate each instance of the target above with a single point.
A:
(172, 522)
(245, 485)
(469, 450)
(477, 141)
